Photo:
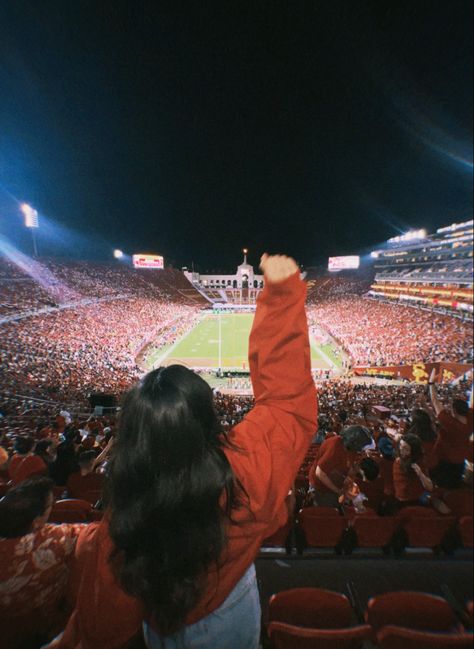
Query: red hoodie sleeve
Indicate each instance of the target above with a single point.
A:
(273, 438)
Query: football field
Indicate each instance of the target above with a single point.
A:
(222, 341)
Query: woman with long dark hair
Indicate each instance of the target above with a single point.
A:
(422, 426)
(189, 506)
(410, 478)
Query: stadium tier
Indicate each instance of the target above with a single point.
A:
(434, 271)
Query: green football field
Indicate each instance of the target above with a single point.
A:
(201, 348)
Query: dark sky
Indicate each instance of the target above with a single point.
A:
(313, 128)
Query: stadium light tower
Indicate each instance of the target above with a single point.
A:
(118, 254)
(31, 222)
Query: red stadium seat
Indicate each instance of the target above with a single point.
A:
(460, 502)
(373, 531)
(393, 637)
(323, 527)
(310, 607)
(92, 496)
(424, 527)
(71, 510)
(281, 538)
(412, 610)
(466, 531)
(286, 636)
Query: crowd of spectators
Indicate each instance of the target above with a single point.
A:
(59, 455)
(377, 333)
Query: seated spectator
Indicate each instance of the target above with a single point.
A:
(46, 450)
(66, 461)
(34, 559)
(24, 463)
(409, 473)
(370, 483)
(333, 462)
(385, 461)
(85, 484)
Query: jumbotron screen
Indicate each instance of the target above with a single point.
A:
(147, 261)
(343, 263)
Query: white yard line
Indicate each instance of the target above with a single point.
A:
(324, 356)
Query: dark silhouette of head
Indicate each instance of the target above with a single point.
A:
(23, 504)
(460, 407)
(23, 444)
(170, 490)
(422, 426)
(355, 438)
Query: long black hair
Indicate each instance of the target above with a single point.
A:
(422, 425)
(416, 451)
(171, 491)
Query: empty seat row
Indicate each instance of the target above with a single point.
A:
(419, 527)
(310, 618)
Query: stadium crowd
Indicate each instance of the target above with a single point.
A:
(60, 357)
(377, 333)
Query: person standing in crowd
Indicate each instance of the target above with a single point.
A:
(34, 565)
(85, 483)
(188, 505)
(452, 446)
(24, 463)
(333, 462)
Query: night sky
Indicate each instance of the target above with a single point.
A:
(313, 128)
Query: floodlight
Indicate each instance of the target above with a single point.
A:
(118, 254)
(30, 214)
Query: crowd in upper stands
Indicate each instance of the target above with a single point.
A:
(378, 333)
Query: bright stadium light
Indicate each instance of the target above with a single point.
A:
(30, 214)
(31, 222)
(118, 254)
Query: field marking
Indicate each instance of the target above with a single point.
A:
(325, 357)
(233, 360)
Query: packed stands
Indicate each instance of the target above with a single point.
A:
(378, 333)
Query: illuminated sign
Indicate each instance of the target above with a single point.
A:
(343, 263)
(148, 261)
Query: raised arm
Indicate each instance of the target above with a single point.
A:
(436, 403)
(276, 433)
(279, 351)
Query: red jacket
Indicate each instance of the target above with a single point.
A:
(272, 440)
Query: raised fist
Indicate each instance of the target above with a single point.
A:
(277, 268)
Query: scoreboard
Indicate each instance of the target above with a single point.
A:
(343, 263)
(147, 261)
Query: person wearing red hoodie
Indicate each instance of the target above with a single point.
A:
(189, 505)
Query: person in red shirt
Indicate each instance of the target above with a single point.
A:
(85, 484)
(24, 463)
(333, 462)
(410, 481)
(453, 445)
(190, 505)
(34, 565)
